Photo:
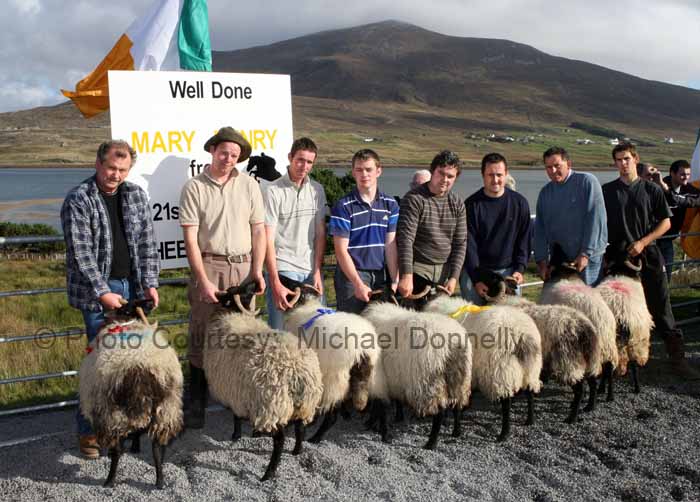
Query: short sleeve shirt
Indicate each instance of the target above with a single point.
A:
(633, 210)
(223, 213)
(365, 226)
(295, 213)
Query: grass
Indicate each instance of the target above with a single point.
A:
(28, 315)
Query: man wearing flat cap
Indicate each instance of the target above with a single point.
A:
(222, 217)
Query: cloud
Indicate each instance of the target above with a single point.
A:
(46, 45)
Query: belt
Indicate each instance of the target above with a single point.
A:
(234, 258)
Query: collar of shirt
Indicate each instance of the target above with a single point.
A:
(288, 181)
(358, 197)
(233, 174)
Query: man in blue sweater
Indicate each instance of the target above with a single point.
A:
(498, 230)
(571, 213)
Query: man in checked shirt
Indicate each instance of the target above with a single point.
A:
(111, 251)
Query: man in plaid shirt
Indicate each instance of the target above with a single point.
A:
(111, 250)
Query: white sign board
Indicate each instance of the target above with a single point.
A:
(168, 116)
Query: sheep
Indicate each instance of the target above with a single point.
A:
(131, 382)
(507, 352)
(428, 364)
(569, 339)
(348, 353)
(567, 288)
(623, 293)
(263, 375)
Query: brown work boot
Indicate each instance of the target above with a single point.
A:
(676, 355)
(89, 447)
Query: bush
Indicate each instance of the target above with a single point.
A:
(9, 229)
(335, 188)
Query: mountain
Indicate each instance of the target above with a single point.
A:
(416, 92)
(401, 63)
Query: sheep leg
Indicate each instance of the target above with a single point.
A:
(457, 419)
(277, 446)
(380, 411)
(298, 436)
(592, 394)
(505, 420)
(114, 454)
(135, 438)
(399, 417)
(578, 394)
(530, 407)
(608, 375)
(236, 428)
(635, 377)
(601, 387)
(435, 430)
(328, 421)
(371, 422)
(158, 454)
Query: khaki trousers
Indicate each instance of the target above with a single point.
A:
(223, 275)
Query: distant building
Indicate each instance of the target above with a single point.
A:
(584, 141)
(614, 141)
(668, 140)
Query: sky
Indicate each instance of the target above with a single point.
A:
(46, 45)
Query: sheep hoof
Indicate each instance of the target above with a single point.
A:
(160, 485)
(108, 484)
(501, 438)
(235, 437)
(267, 477)
(588, 408)
(609, 399)
(315, 440)
(386, 439)
(430, 445)
(297, 450)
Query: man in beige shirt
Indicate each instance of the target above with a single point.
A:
(222, 217)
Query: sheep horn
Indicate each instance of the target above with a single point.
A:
(295, 298)
(142, 316)
(636, 268)
(443, 289)
(122, 301)
(499, 296)
(251, 307)
(237, 301)
(418, 296)
(311, 288)
(376, 292)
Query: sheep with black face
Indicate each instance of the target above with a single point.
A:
(265, 376)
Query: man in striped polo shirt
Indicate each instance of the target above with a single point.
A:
(363, 226)
(432, 229)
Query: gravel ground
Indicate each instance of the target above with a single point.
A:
(638, 448)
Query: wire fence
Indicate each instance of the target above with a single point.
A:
(49, 334)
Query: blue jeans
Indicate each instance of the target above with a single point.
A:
(93, 322)
(593, 272)
(468, 291)
(345, 291)
(667, 251)
(274, 315)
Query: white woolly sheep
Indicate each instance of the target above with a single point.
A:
(428, 364)
(266, 376)
(623, 293)
(131, 382)
(567, 288)
(507, 352)
(569, 339)
(348, 353)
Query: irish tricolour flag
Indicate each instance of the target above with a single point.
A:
(172, 35)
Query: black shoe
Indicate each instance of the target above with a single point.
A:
(197, 403)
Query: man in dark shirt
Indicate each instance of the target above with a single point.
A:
(111, 251)
(638, 215)
(498, 230)
(680, 195)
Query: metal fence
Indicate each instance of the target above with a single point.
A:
(8, 241)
